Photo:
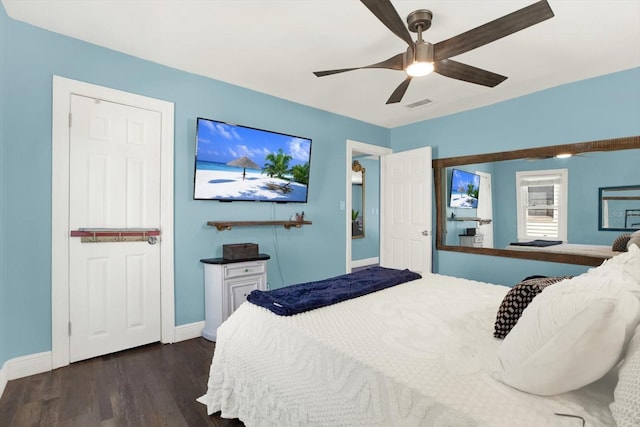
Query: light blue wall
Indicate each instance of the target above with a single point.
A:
(312, 252)
(599, 108)
(369, 246)
(3, 183)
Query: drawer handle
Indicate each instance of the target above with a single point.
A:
(246, 269)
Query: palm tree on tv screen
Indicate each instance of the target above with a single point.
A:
(301, 173)
(472, 191)
(277, 165)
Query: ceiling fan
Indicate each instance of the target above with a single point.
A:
(422, 58)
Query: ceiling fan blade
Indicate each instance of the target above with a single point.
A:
(494, 30)
(397, 94)
(467, 73)
(387, 14)
(393, 63)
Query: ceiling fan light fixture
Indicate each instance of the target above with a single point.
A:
(422, 63)
(419, 69)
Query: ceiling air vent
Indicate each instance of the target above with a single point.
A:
(419, 103)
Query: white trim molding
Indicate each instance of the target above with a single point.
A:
(24, 366)
(189, 331)
(3, 377)
(363, 262)
(63, 89)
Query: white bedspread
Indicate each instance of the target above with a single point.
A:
(417, 354)
(603, 251)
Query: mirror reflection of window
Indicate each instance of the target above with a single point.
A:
(542, 204)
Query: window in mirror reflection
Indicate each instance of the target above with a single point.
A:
(542, 205)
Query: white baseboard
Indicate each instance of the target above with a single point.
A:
(32, 364)
(189, 331)
(24, 366)
(3, 379)
(362, 262)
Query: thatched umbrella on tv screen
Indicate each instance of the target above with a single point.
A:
(244, 162)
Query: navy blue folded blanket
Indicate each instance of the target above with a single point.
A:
(303, 297)
(538, 243)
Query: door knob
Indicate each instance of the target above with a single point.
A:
(425, 233)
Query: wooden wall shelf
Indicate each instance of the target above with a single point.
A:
(226, 225)
(469, 218)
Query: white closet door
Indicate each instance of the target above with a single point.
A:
(114, 288)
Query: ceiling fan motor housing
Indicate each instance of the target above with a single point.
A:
(422, 52)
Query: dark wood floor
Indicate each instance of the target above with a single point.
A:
(154, 385)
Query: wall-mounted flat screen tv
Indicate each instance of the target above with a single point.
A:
(239, 163)
(464, 189)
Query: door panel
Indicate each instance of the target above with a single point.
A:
(239, 289)
(406, 240)
(485, 209)
(114, 288)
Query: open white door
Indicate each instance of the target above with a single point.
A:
(405, 221)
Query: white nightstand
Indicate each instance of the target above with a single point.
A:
(472, 241)
(226, 285)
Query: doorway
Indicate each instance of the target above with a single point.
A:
(355, 150)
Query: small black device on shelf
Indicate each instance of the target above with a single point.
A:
(240, 251)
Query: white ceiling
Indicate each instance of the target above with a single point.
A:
(273, 46)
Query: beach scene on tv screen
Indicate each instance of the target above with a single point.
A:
(464, 189)
(235, 163)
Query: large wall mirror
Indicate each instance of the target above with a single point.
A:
(357, 200)
(477, 206)
(620, 207)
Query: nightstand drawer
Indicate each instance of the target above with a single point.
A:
(245, 269)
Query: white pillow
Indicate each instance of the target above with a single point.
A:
(626, 405)
(634, 240)
(571, 334)
(627, 262)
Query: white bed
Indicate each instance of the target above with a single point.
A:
(417, 354)
(603, 251)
